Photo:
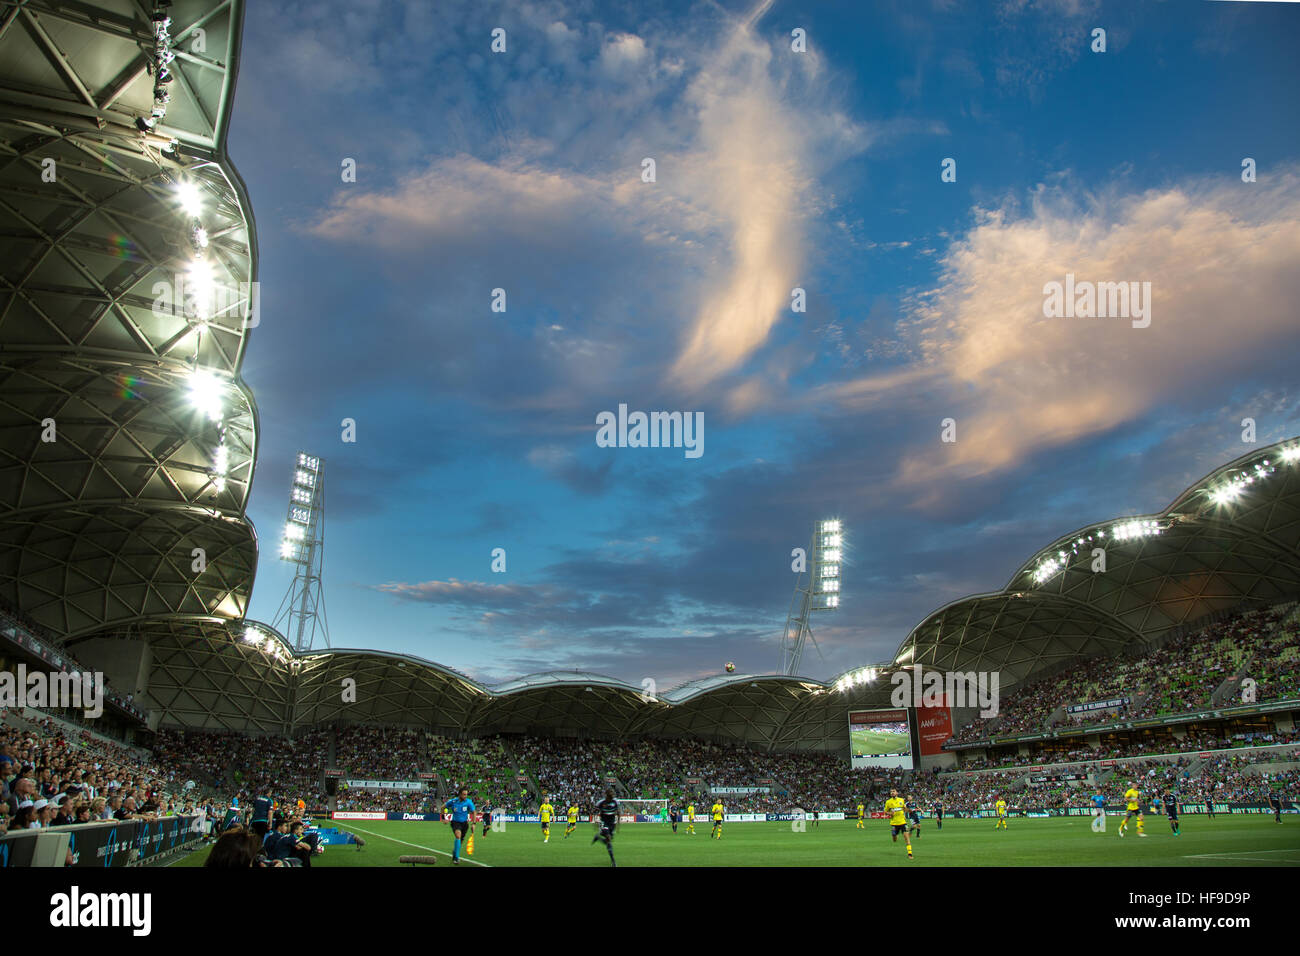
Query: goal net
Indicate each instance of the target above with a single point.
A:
(648, 808)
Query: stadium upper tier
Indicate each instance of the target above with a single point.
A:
(128, 268)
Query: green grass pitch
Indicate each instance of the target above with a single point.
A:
(1069, 841)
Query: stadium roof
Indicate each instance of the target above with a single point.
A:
(1230, 539)
(1209, 554)
(122, 502)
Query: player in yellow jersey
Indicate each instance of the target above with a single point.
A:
(896, 807)
(546, 811)
(572, 821)
(690, 818)
(1133, 801)
(718, 813)
(862, 817)
(1001, 809)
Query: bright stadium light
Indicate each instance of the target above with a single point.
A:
(303, 544)
(190, 198)
(1291, 454)
(206, 393)
(825, 555)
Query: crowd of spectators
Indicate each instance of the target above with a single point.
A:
(55, 775)
(1179, 676)
(1196, 740)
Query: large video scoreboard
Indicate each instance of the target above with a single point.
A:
(880, 738)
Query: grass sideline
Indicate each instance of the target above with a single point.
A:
(1242, 840)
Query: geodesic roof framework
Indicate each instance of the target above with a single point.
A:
(386, 689)
(204, 676)
(99, 526)
(1223, 543)
(1212, 551)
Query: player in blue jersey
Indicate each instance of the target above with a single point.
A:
(460, 807)
(1098, 813)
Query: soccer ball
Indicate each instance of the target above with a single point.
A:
(731, 667)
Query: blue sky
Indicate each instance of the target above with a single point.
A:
(775, 169)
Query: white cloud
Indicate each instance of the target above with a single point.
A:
(1223, 259)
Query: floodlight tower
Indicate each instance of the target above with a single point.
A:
(303, 544)
(821, 593)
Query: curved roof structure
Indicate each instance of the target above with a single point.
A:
(1224, 542)
(1231, 539)
(128, 269)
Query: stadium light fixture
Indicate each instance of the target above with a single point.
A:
(206, 393)
(189, 197)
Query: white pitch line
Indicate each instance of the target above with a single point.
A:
(1248, 855)
(418, 846)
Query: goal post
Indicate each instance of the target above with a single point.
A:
(643, 807)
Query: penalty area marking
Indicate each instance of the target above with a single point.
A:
(418, 846)
(1246, 855)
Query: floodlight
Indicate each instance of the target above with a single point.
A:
(205, 393)
(189, 196)
(1291, 454)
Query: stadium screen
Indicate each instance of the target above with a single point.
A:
(880, 738)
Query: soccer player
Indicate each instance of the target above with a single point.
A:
(1132, 800)
(1001, 808)
(862, 817)
(460, 806)
(663, 815)
(607, 809)
(1275, 804)
(914, 815)
(487, 818)
(1171, 811)
(817, 818)
(1209, 800)
(896, 807)
(718, 813)
(690, 818)
(675, 814)
(546, 811)
(572, 823)
(938, 815)
(1098, 813)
